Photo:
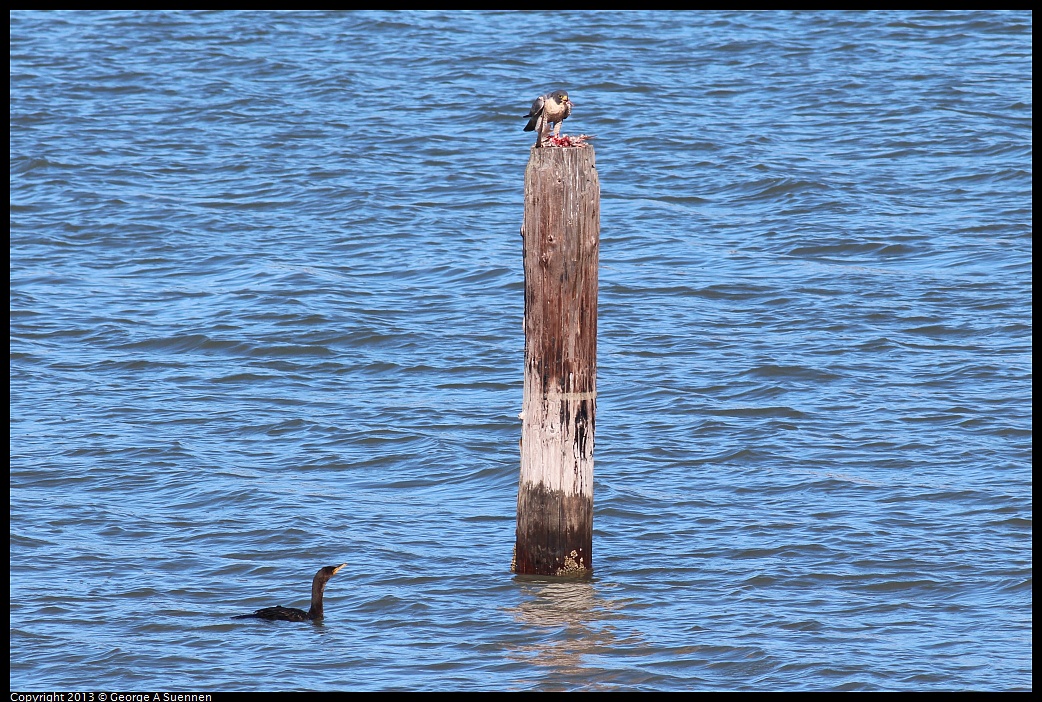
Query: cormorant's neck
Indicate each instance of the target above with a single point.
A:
(317, 588)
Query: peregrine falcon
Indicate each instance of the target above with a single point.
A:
(552, 108)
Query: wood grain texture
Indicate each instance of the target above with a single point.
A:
(561, 250)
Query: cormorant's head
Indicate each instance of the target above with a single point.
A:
(326, 573)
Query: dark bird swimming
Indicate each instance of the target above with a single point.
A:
(552, 108)
(292, 614)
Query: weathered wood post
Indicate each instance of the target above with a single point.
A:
(561, 232)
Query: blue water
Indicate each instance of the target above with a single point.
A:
(266, 300)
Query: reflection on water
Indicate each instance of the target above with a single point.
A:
(577, 623)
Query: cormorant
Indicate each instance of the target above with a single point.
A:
(292, 614)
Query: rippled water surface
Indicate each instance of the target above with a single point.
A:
(266, 299)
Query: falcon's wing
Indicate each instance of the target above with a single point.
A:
(535, 113)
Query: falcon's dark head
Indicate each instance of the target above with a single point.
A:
(560, 97)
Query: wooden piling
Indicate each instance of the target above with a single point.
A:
(561, 234)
